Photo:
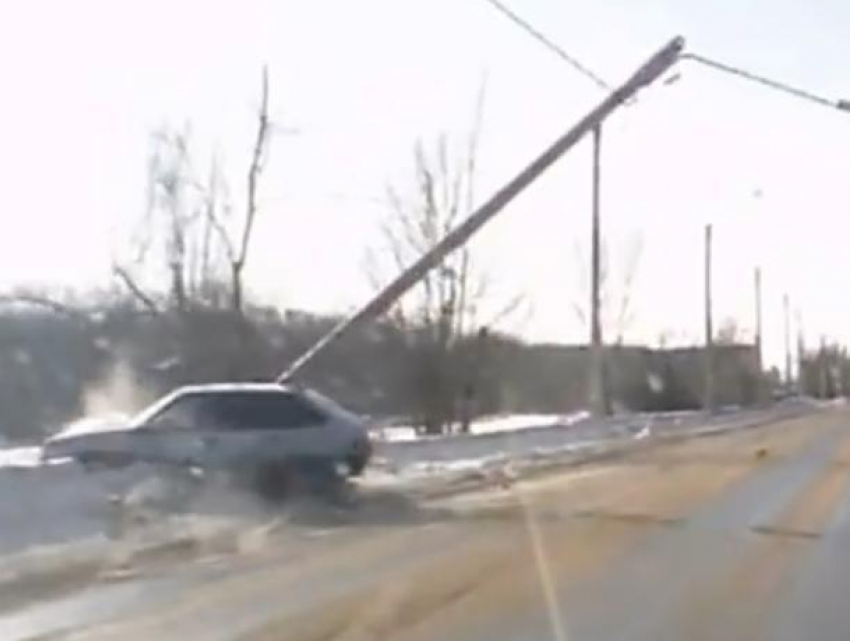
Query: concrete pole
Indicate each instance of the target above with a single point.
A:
(761, 391)
(787, 314)
(709, 329)
(757, 339)
(598, 398)
(646, 74)
(801, 351)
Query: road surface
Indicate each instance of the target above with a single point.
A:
(740, 536)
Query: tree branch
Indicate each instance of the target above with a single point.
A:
(130, 283)
(48, 303)
(255, 170)
(221, 232)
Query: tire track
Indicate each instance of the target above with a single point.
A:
(440, 580)
(740, 602)
(452, 596)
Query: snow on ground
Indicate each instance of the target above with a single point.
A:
(509, 437)
(44, 506)
(51, 504)
(20, 457)
(487, 425)
(60, 519)
(536, 438)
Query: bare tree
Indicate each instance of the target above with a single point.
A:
(437, 312)
(165, 238)
(135, 289)
(237, 251)
(616, 292)
(194, 239)
(258, 158)
(190, 226)
(442, 316)
(616, 309)
(171, 176)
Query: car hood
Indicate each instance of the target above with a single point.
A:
(90, 425)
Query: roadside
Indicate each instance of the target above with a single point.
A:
(155, 528)
(448, 565)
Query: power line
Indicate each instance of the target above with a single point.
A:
(773, 84)
(842, 105)
(528, 28)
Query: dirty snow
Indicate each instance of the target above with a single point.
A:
(45, 506)
(487, 425)
(20, 457)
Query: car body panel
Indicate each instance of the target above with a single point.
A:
(175, 430)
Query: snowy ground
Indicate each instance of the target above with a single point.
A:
(515, 437)
(46, 511)
(503, 423)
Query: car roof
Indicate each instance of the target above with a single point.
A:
(211, 389)
(225, 388)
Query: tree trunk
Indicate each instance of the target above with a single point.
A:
(178, 287)
(236, 288)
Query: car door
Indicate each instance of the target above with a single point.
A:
(174, 433)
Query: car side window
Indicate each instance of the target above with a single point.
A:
(182, 412)
(264, 411)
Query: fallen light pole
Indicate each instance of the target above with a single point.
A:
(647, 73)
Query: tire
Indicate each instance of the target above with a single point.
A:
(356, 465)
(272, 481)
(358, 457)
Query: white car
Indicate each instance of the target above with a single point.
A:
(233, 425)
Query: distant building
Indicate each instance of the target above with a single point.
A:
(550, 377)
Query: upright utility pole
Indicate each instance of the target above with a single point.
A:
(709, 330)
(760, 383)
(787, 314)
(758, 321)
(598, 398)
(801, 351)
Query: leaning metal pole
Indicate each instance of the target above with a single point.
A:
(650, 71)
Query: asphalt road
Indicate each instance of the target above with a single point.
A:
(740, 536)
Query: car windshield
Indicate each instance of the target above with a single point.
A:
(147, 415)
(436, 319)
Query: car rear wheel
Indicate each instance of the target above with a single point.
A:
(356, 464)
(272, 481)
(358, 457)
(276, 481)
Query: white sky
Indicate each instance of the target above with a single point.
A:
(85, 83)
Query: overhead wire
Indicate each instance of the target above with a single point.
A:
(773, 84)
(551, 45)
